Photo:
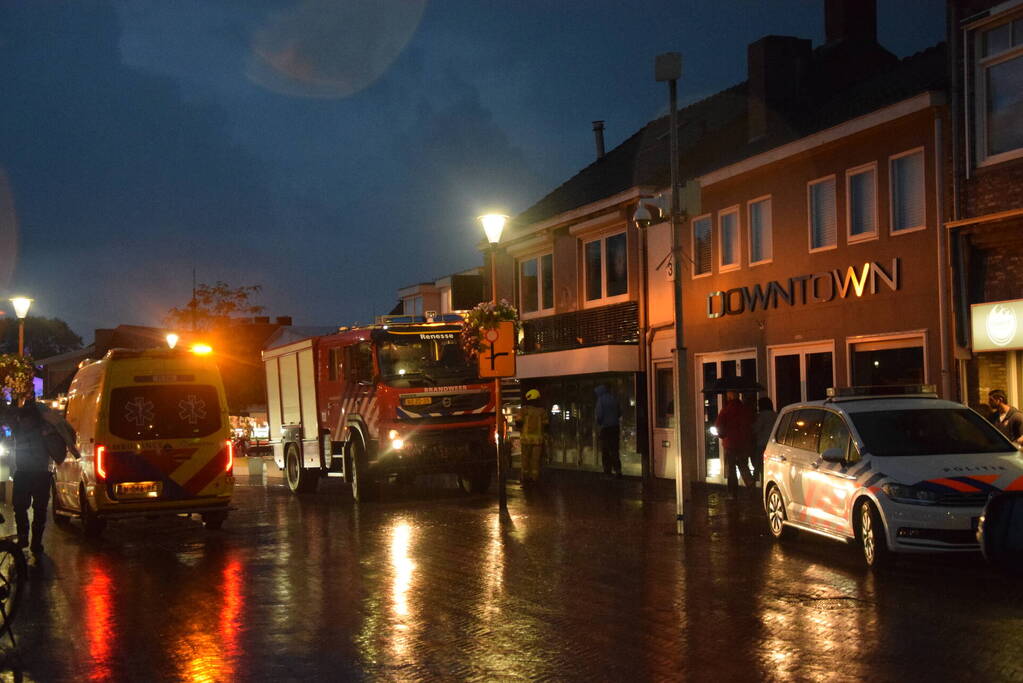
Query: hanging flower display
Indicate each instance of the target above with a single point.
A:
(16, 374)
(485, 316)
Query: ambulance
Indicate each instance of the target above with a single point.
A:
(153, 432)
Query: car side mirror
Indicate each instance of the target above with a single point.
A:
(833, 455)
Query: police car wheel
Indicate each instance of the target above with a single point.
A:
(872, 536)
(776, 513)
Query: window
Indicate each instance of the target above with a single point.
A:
(701, 246)
(804, 428)
(861, 202)
(413, 305)
(728, 234)
(834, 434)
(536, 284)
(999, 88)
(760, 239)
(607, 267)
(164, 411)
(665, 388)
(908, 191)
(823, 223)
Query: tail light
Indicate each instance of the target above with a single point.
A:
(101, 464)
(230, 456)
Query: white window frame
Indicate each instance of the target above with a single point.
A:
(722, 266)
(809, 213)
(604, 299)
(710, 234)
(802, 349)
(849, 173)
(980, 66)
(538, 257)
(891, 191)
(770, 229)
(893, 338)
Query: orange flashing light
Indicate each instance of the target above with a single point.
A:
(101, 469)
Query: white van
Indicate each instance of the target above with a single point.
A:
(895, 473)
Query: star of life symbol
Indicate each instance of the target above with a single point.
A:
(192, 409)
(139, 411)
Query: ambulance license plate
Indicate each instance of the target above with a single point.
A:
(137, 489)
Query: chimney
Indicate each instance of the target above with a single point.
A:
(284, 320)
(598, 136)
(850, 21)
(776, 75)
(261, 320)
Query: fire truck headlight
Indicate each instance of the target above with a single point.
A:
(397, 444)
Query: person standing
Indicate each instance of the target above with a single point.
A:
(608, 415)
(534, 422)
(1007, 419)
(39, 437)
(763, 423)
(734, 425)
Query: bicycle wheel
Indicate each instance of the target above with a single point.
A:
(13, 572)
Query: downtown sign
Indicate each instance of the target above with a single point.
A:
(997, 326)
(816, 288)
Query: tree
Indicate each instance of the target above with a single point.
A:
(44, 337)
(214, 306)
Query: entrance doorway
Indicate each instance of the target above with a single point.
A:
(711, 367)
(801, 372)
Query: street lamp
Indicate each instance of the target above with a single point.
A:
(172, 340)
(668, 67)
(493, 226)
(21, 305)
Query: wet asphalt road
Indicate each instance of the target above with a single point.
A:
(585, 582)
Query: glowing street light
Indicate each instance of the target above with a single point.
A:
(172, 340)
(493, 226)
(21, 305)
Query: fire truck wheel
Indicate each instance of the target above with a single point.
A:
(476, 480)
(300, 480)
(364, 488)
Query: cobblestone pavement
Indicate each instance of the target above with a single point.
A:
(585, 581)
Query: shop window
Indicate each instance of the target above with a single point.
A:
(701, 246)
(536, 284)
(888, 362)
(728, 238)
(861, 202)
(999, 90)
(607, 267)
(823, 221)
(761, 248)
(907, 191)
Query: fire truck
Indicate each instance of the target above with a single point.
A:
(394, 399)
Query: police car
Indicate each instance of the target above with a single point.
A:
(902, 472)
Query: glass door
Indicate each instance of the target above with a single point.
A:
(801, 373)
(711, 368)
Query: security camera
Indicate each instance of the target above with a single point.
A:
(642, 218)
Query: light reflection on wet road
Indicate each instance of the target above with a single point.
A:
(585, 581)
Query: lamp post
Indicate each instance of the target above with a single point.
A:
(21, 306)
(172, 340)
(668, 67)
(493, 225)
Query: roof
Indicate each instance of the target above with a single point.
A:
(713, 132)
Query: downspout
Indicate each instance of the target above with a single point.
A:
(646, 471)
(943, 313)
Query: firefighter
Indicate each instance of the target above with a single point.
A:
(534, 424)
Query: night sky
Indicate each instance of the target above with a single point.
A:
(331, 151)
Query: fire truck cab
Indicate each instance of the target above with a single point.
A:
(398, 398)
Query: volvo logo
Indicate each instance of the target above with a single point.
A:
(446, 401)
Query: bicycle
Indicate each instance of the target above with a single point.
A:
(13, 573)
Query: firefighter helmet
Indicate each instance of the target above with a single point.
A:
(532, 395)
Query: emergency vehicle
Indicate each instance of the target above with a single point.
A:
(398, 398)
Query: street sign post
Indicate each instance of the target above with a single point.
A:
(497, 360)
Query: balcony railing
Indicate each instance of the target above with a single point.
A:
(617, 324)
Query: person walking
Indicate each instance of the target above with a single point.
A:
(734, 425)
(608, 415)
(39, 437)
(534, 420)
(763, 423)
(1007, 419)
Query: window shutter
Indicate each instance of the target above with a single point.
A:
(908, 192)
(823, 225)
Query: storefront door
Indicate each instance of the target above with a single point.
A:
(663, 444)
(710, 367)
(801, 373)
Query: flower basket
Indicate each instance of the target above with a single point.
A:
(485, 316)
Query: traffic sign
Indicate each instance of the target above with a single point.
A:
(497, 358)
